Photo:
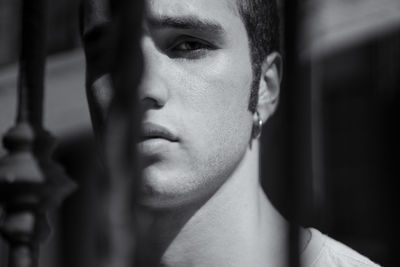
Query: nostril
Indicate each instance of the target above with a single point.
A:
(153, 91)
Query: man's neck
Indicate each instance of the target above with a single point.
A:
(237, 226)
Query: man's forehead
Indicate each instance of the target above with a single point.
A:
(202, 8)
(97, 12)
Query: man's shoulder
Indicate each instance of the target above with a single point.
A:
(327, 252)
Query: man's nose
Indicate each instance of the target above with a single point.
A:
(153, 90)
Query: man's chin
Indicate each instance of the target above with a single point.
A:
(167, 189)
(156, 199)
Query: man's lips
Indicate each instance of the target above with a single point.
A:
(152, 131)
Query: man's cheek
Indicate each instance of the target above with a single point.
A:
(230, 80)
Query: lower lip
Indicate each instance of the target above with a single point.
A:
(154, 145)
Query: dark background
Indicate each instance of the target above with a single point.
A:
(358, 150)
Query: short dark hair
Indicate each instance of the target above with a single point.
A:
(261, 19)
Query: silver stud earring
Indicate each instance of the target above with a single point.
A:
(257, 126)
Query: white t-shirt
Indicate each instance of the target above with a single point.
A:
(323, 251)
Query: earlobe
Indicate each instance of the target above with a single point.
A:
(270, 80)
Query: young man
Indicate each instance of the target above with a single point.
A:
(211, 79)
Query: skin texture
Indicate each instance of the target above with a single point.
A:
(195, 84)
(201, 191)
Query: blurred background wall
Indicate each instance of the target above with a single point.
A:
(352, 53)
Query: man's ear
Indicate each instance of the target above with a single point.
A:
(270, 81)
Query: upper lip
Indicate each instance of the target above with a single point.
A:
(153, 130)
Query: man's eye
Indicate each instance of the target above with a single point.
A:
(190, 46)
(190, 49)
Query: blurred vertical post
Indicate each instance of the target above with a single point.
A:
(298, 125)
(30, 182)
(122, 133)
(317, 147)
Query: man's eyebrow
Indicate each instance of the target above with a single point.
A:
(186, 23)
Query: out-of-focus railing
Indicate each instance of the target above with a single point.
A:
(121, 132)
(30, 182)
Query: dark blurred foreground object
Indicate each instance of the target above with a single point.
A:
(30, 182)
(124, 21)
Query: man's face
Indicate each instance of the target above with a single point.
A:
(195, 94)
